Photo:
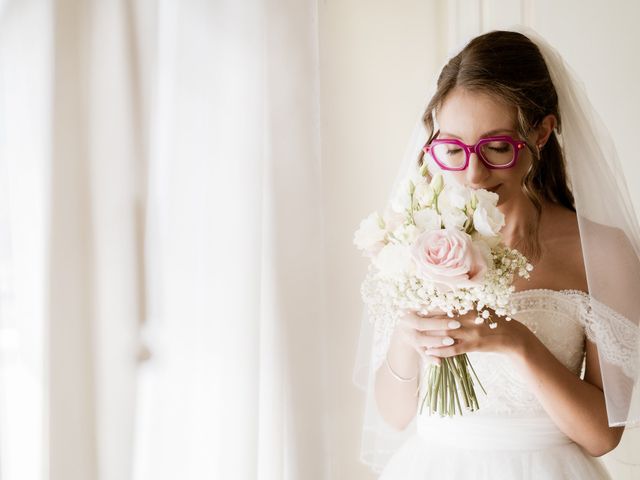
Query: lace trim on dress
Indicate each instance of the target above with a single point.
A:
(616, 336)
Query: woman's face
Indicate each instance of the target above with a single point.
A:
(469, 116)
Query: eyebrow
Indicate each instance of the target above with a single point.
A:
(485, 134)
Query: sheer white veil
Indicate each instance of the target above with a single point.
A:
(610, 238)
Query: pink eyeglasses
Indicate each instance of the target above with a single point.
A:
(497, 152)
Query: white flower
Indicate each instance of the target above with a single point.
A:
(407, 233)
(455, 195)
(427, 219)
(370, 236)
(424, 194)
(484, 248)
(401, 201)
(394, 260)
(486, 197)
(454, 218)
(402, 196)
(487, 219)
(393, 219)
(437, 183)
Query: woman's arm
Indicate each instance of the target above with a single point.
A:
(576, 406)
(396, 401)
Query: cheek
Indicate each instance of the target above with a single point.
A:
(456, 177)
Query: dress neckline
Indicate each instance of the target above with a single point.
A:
(564, 291)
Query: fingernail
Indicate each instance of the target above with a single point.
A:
(447, 341)
(454, 324)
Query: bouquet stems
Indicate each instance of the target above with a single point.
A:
(447, 382)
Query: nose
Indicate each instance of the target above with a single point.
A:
(477, 171)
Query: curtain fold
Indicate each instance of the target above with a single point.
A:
(94, 261)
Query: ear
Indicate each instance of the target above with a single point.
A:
(545, 128)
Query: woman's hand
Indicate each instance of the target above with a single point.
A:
(436, 335)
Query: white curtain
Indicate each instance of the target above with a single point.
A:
(234, 385)
(24, 137)
(162, 241)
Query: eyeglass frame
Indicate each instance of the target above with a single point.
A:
(469, 149)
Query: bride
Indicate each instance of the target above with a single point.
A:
(500, 106)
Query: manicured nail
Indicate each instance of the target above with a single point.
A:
(447, 341)
(454, 324)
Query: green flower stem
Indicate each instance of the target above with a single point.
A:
(447, 382)
(436, 389)
(457, 397)
(451, 408)
(468, 382)
(443, 392)
(463, 381)
(476, 375)
(455, 378)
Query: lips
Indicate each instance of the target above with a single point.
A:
(493, 189)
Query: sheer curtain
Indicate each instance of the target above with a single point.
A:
(234, 384)
(162, 243)
(24, 136)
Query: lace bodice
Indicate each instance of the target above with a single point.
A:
(562, 320)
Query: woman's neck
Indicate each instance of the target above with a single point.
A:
(520, 216)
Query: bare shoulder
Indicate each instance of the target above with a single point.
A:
(567, 236)
(561, 231)
(562, 248)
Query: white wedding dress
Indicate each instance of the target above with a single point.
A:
(510, 437)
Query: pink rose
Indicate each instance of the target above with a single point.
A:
(450, 258)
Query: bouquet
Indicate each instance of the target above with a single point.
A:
(438, 246)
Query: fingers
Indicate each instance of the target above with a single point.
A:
(444, 352)
(417, 340)
(430, 359)
(436, 312)
(414, 320)
(435, 341)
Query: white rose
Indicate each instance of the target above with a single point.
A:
(488, 220)
(427, 219)
(395, 260)
(370, 236)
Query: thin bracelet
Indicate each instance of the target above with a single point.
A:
(402, 379)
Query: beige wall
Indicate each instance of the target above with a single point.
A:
(376, 59)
